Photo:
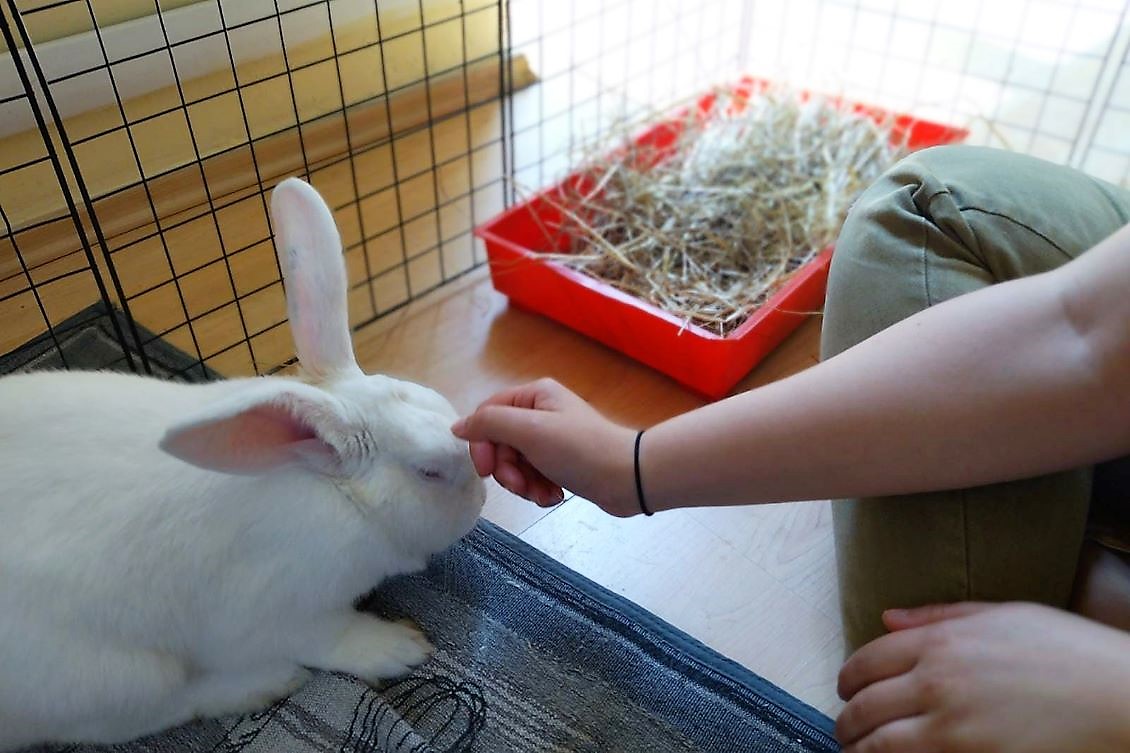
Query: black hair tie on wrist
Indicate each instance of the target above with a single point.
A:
(639, 481)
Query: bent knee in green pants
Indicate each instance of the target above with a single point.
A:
(944, 222)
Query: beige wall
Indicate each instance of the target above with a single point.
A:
(74, 18)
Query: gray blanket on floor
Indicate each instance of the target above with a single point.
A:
(530, 657)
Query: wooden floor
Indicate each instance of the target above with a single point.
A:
(755, 583)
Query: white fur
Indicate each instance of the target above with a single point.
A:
(169, 551)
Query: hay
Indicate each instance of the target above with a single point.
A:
(709, 229)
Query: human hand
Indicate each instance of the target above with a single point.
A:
(540, 437)
(998, 678)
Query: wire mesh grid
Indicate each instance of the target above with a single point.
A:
(26, 285)
(1107, 153)
(137, 161)
(135, 154)
(1046, 77)
(1035, 76)
(602, 65)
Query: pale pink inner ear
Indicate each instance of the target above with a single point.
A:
(252, 441)
(271, 426)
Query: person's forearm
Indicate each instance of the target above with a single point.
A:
(1003, 383)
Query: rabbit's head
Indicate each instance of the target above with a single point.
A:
(385, 444)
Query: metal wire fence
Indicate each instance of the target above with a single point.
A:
(139, 138)
(136, 160)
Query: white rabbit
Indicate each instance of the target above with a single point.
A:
(171, 551)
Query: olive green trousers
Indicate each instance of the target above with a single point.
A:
(941, 223)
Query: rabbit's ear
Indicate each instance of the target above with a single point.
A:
(269, 426)
(309, 249)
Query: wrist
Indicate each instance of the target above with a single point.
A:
(617, 477)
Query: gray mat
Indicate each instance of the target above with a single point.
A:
(530, 657)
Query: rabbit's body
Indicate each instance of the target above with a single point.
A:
(154, 569)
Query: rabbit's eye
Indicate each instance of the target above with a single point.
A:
(431, 474)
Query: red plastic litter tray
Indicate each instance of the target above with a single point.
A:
(705, 362)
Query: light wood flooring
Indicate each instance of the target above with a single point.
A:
(755, 583)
